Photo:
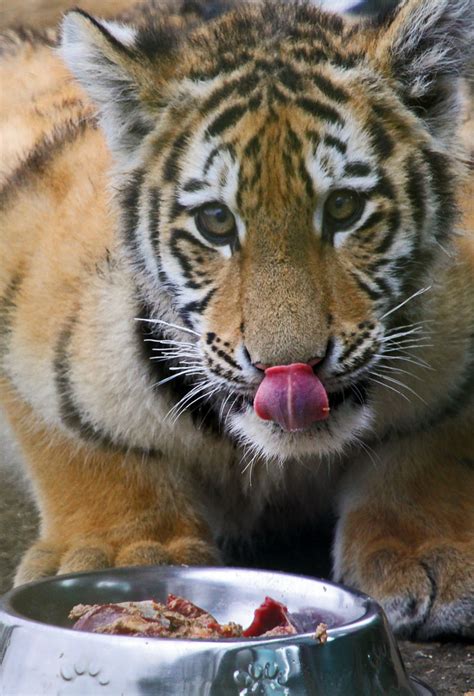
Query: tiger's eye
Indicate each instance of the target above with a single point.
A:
(343, 207)
(216, 223)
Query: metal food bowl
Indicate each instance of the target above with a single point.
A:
(41, 655)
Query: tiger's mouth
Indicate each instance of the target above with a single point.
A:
(294, 397)
(354, 395)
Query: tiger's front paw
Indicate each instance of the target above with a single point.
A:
(44, 559)
(426, 594)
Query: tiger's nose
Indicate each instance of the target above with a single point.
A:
(262, 366)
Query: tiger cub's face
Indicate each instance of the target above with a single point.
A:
(280, 191)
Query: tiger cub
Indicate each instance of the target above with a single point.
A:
(237, 290)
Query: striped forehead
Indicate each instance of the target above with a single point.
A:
(210, 172)
(333, 156)
(342, 156)
(336, 146)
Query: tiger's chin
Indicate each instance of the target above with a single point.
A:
(347, 422)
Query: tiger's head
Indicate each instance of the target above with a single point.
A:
(286, 179)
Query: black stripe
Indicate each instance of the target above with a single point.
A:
(176, 210)
(320, 110)
(443, 183)
(129, 204)
(381, 140)
(393, 223)
(373, 294)
(308, 182)
(357, 169)
(69, 413)
(332, 141)
(198, 306)
(288, 164)
(243, 85)
(252, 148)
(276, 94)
(416, 193)
(268, 67)
(329, 89)
(254, 102)
(290, 78)
(310, 55)
(179, 236)
(210, 158)
(219, 95)
(171, 165)
(313, 137)
(383, 187)
(247, 83)
(348, 60)
(228, 118)
(109, 38)
(68, 410)
(193, 185)
(225, 356)
(292, 140)
(257, 174)
(154, 202)
(40, 157)
(374, 219)
(384, 288)
(223, 147)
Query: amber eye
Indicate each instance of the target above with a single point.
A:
(216, 223)
(343, 207)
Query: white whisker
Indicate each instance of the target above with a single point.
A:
(223, 405)
(417, 331)
(178, 374)
(229, 410)
(409, 326)
(371, 453)
(400, 384)
(187, 363)
(167, 323)
(173, 356)
(170, 341)
(397, 369)
(200, 386)
(387, 386)
(419, 362)
(402, 348)
(412, 297)
(198, 398)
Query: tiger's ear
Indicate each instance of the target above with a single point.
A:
(104, 58)
(426, 46)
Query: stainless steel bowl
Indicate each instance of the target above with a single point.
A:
(41, 655)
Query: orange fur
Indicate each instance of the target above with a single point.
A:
(117, 481)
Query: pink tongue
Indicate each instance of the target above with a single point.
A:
(292, 396)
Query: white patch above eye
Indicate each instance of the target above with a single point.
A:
(194, 199)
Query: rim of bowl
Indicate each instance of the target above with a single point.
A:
(369, 606)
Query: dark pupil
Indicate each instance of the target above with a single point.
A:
(341, 202)
(220, 215)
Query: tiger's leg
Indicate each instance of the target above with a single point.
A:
(406, 536)
(102, 508)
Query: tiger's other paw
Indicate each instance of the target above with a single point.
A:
(44, 559)
(426, 595)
